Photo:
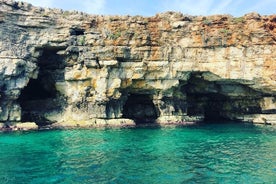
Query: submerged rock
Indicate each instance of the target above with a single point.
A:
(95, 123)
(61, 68)
(25, 126)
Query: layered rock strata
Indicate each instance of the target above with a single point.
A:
(63, 68)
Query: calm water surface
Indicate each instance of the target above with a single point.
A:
(214, 153)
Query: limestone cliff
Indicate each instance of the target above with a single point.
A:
(70, 68)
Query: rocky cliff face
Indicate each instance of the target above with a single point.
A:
(73, 69)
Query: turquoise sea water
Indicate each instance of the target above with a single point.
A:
(214, 153)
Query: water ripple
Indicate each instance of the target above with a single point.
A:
(231, 153)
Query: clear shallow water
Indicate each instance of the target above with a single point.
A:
(229, 153)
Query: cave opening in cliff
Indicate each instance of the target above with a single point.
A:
(140, 108)
(217, 99)
(204, 98)
(76, 31)
(41, 88)
(40, 97)
(208, 106)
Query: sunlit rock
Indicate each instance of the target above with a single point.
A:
(78, 70)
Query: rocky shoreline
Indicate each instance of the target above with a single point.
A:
(99, 124)
(88, 125)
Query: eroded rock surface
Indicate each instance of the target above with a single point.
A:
(60, 68)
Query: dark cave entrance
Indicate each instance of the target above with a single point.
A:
(217, 99)
(210, 106)
(41, 88)
(204, 98)
(140, 108)
(40, 97)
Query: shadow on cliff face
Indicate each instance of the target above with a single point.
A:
(202, 97)
(218, 99)
(140, 108)
(40, 99)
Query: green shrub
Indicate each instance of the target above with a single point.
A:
(225, 31)
(81, 40)
(115, 36)
(207, 22)
(238, 20)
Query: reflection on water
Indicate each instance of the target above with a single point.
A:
(215, 153)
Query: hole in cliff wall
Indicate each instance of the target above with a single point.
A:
(76, 31)
(41, 88)
(40, 99)
(219, 100)
(207, 105)
(140, 108)
(203, 98)
(37, 99)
